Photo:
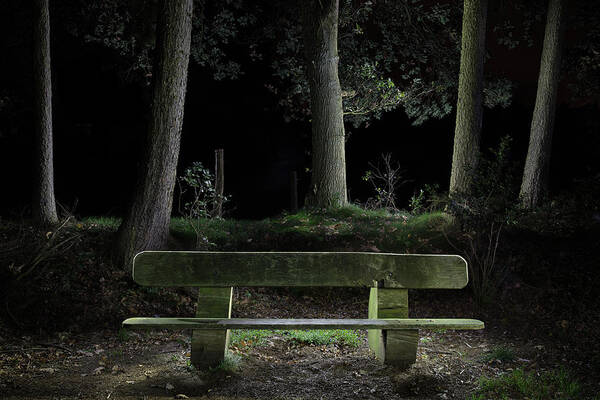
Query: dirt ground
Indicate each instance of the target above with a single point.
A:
(154, 364)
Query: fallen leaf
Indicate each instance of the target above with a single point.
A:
(98, 370)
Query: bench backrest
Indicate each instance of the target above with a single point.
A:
(221, 269)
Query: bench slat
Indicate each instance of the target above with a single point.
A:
(243, 323)
(209, 269)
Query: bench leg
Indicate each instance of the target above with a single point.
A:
(394, 347)
(209, 346)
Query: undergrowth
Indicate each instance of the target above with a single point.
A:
(350, 228)
(529, 385)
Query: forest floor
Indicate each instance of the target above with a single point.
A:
(60, 335)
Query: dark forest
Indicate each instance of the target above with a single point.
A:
(279, 178)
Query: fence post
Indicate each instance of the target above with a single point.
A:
(294, 192)
(219, 182)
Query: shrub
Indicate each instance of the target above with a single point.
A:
(428, 199)
(482, 213)
(197, 198)
(386, 178)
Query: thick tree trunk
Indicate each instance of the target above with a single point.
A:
(328, 182)
(43, 202)
(146, 224)
(470, 93)
(537, 164)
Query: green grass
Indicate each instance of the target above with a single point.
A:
(249, 337)
(254, 337)
(529, 385)
(324, 337)
(503, 354)
(231, 363)
(348, 227)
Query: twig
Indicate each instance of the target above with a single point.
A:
(23, 350)
(58, 346)
(440, 351)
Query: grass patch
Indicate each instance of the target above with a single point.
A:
(529, 385)
(318, 230)
(503, 354)
(249, 337)
(231, 363)
(256, 337)
(324, 337)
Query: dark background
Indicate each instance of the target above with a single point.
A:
(100, 120)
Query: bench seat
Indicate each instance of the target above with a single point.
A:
(245, 323)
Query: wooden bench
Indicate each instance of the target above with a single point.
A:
(392, 335)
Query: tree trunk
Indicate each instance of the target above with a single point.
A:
(43, 202)
(537, 164)
(470, 93)
(320, 26)
(146, 224)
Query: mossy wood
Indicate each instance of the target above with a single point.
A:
(209, 346)
(210, 269)
(220, 324)
(395, 347)
(392, 335)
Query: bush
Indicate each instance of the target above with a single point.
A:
(197, 198)
(386, 178)
(482, 213)
(428, 199)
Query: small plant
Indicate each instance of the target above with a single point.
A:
(502, 354)
(427, 199)
(197, 197)
(189, 366)
(385, 178)
(123, 335)
(231, 363)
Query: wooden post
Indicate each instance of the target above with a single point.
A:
(209, 346)
(293, 192)
(397, 347)
(219, 182)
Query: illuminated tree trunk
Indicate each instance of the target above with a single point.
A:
(328, 182)
(43, 202)
(470, 94)
(537, 164)
(146, 224)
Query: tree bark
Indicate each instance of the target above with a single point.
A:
(537, 164)
(328, 181)
(43, 201)
(470, 94)
(146, 224)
